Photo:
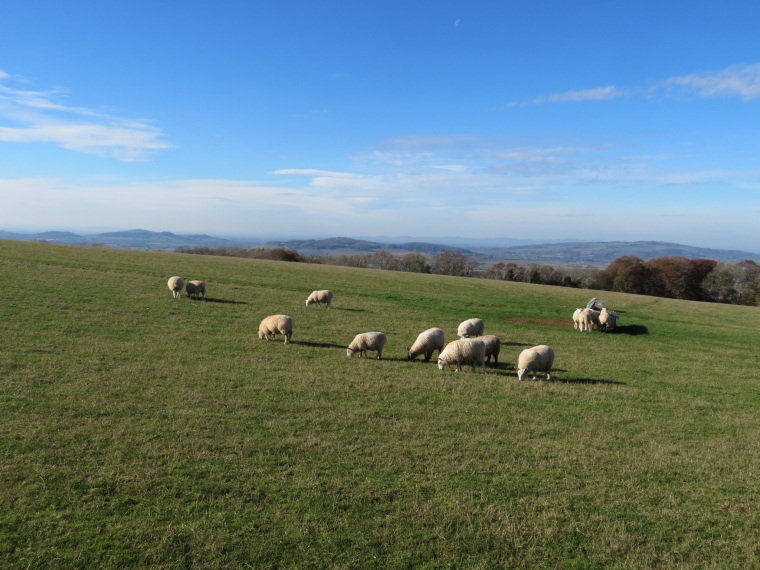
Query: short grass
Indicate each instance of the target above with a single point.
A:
(138, 430)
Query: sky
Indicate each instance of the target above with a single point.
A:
(540, 119)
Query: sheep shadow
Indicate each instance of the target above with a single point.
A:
(631, 330)
(350, 310)
(515, 344)
(319, 344)
(584, 381)
(223, 301)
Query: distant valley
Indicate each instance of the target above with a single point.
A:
(565, 253)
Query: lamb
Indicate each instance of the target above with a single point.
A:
(468, 350)
(367, 341)
(426, 343)
(535, 359)
(277, 324)
(176, 284)
(608, 319)
(493, 348)
(318, 297)
(470, 328)
(195, 288)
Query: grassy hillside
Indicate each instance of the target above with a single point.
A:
(141, 430)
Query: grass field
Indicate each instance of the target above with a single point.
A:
(138, 430)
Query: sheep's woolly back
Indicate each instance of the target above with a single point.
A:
(277, 324)
(195, 288)
(535, 360)
(470, 328)
(468, 350)
(175, 285)
(318, 297)
(427, 341)
(608, 319)
(363, 342)
(493, 347)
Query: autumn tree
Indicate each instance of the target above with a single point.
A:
(454, 263)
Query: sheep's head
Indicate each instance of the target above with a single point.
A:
(521, 373)
(441, 364)
(349, 352)
(308, 302)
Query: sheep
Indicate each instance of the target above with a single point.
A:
(470, 328)
(367, 341)
(426, 343)
(589, 319)
(468, 350)
(175, 285)
(535, 359)
(195, 288)
(608, 319)
(577, 320)
(318, 297)
(277, 324)
(493, 348)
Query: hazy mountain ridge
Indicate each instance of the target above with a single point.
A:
(565, 252)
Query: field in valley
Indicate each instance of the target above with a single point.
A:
(141, 430)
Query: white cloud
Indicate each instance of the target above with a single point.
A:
(739, 80)
(595, 94)
(38, 117)
(314, 172)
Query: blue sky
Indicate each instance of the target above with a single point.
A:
(540, 120)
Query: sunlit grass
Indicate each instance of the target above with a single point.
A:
(141, 430)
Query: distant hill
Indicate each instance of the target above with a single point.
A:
(565, 253)
(602, 253)
(349, 246)
(130, 239)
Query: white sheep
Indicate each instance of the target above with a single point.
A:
(608, 319)
(363, 342)
(493, 348)
(175, 285)
(470, 328)
(195, 288)
(277, 324)
(535, 359)
(468, 350)
(427, 341)
(577, 320)
(589, 319)
(318, 297)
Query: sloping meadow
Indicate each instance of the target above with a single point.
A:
(141, 430)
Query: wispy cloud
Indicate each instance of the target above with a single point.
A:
(595, 94)
(38, 116)
(737, 80)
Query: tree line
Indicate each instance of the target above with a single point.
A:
(673, 277)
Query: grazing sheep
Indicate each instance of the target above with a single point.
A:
(589, 319)
(535, 359)
(577, 320)
(318, 297)
(277, 324)
(468, 350)
(493, 348)
(470, 328)
(195, 288)
(426, 343)
(176, 284)
(367, 341)
(608, 320)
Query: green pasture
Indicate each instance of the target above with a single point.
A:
(138, 430)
